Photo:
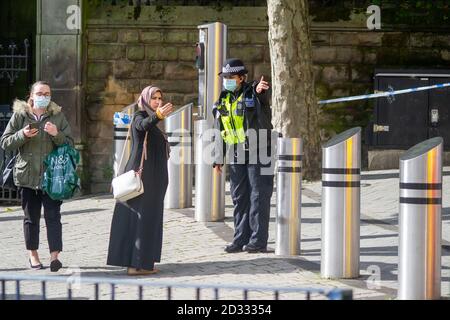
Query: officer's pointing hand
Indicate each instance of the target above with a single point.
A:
(262, 85)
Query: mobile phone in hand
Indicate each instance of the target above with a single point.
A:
(34, 125)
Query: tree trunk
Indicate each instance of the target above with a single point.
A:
(294, 107)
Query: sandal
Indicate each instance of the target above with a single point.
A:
(140, 272)
(36, 267)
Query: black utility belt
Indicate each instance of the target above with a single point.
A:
(237, 112)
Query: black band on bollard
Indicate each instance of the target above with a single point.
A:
(179, 144)
(121, 129)
(341, 184)
(341, 170)
(290, 157)
(289, 169)
(421, 186)
(179, 134)
(421, 200)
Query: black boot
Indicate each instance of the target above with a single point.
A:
(233, 248)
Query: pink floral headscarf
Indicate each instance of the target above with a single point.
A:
(144, 104)
(146, 96)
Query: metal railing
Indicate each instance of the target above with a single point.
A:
(13, 61)
(332, 294)
(236, 3)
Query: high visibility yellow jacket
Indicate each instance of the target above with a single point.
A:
(236, 112)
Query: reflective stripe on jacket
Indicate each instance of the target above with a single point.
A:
(232, 117)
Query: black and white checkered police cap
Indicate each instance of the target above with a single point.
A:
(233, 66)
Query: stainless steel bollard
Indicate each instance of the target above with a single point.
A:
(179, 132)
(419, 267)
(289, 203)
(213, 44)
(209, 186)
(341, 195)
(121, 125)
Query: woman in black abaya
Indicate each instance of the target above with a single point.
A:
(137, 225)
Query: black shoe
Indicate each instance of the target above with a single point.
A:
(233, 248)
(36, 267)
(250, 248)
(55, 265)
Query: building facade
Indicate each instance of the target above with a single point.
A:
(100, 57)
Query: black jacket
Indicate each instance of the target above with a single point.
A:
(257, 115)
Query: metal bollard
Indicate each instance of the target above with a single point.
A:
(419, 267)
(179, 131)
(121, 125)
(341, 196)
(209, 186)
(289, 196)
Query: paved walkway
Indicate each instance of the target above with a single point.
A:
(193, 252)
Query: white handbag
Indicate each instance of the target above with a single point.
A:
(129, 184)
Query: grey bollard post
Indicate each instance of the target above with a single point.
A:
(341, 196)
(179, 131)
(209, 185)
(289, 186)
(419, 267)
(121, 124)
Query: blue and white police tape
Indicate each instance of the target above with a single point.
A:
(121, 118)
(384, 94)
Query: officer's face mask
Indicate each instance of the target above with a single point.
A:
(41, 102)
(230, 84)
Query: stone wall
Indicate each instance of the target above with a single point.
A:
(344, 63)
(125, 54)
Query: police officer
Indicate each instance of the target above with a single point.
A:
(242, 115)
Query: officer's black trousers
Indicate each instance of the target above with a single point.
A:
(32, 201)
(251, 190)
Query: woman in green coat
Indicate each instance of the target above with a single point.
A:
(35, 129)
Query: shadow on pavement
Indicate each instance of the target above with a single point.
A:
(63, 213)
(311, 205)
(39, 297)
(379, 176)
(376, 236)
(392, 175)
(371, 236)
(379, 251)
(189, 269)
(14, 269)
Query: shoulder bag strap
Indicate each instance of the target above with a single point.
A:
(144, 150)
(144, 154)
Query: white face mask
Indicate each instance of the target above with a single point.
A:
(41, 102)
